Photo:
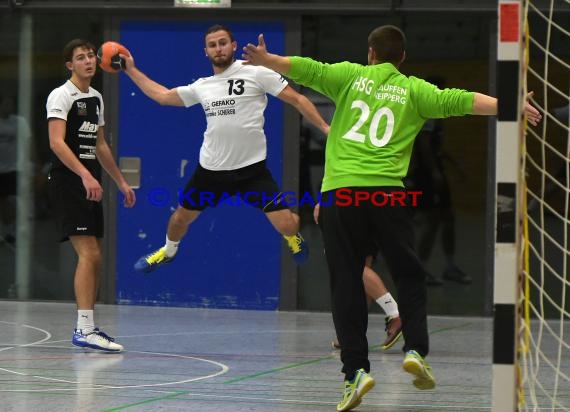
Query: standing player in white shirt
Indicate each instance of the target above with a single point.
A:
(75, 114)
(233, 153)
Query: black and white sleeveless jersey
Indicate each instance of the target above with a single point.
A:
(233, 102)
(83, 113)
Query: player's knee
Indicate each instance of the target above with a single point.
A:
(92, 257)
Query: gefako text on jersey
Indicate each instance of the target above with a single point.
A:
(233, 102)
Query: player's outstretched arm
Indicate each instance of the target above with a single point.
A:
(487, 105)
(154, 90)
(305, 107)
(259, 56)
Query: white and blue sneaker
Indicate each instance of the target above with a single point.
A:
(97, 339)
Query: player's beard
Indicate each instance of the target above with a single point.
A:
(222, 63)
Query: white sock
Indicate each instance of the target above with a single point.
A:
(171, 247)
(389, 305)
(85, 321)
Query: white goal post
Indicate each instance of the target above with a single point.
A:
(531, 336)
(507, 262)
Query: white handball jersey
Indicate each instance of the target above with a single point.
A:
(83, 113)
(233, 102)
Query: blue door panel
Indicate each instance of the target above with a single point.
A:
(230, 257)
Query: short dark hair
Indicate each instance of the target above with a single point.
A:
(388, 43)
(74, 44)
(219, 27)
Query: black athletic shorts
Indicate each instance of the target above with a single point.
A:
(74, 214)
(8, 184)
(252, 185)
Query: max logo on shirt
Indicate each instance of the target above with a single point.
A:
(81, 109)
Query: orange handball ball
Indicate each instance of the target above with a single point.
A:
(108, 56)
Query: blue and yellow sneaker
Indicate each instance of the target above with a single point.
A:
(150, 262)
(415, 364)
(354, 390)
(298, 248)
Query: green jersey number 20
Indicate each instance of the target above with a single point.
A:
(354, 134)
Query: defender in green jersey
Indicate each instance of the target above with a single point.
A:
(379, 112)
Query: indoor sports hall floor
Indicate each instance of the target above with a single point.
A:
(179, 359)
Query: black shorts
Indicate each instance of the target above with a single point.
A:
(8, 184)
(252, 185)
(74, 214)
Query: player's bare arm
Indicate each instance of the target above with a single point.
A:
(156, 91)
(487, 105)
(259, 56)
(305, 107)
(56, 130)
